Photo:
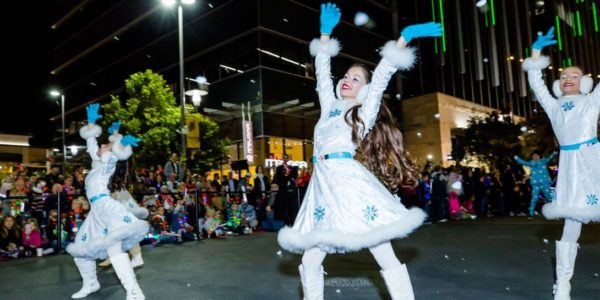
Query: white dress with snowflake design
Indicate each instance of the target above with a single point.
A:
(108, 221)
(346, 208)
(574, 120)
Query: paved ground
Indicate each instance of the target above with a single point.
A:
(509, 258)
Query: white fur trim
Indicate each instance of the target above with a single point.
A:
(86, 132)
(360, 97)
(115, 138)
(130, 235)
(556, 89)
(339, 242)
(401, 58)
(536, 63)
(122, 152)
(584, 214)
(331, 47)
(586, 83)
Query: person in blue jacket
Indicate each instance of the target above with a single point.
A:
(540, 179)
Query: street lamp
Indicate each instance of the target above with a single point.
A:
(199, 91)
(55, 93)
(181, 78)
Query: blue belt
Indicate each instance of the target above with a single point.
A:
(97, 197)
(332, 155)
(578, 145)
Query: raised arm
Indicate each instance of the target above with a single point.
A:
(550, 157)
(323, 49)
(534, 65)
(521, 161)
(91, 131)
(395, 56)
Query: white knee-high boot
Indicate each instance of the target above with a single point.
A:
(136, 256)
(398, 283)
(566, 253)
(122, 266)
(312, 284)
(87, 270)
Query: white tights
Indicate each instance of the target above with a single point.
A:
(571, 231)
(383, 254)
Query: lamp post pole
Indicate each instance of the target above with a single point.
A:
(181, 79)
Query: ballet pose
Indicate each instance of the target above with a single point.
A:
(348, 205)
(109, 229)
(574, 117)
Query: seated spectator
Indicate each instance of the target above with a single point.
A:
(31, 237)
(10, 238)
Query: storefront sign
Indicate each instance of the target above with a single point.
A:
(270, 163)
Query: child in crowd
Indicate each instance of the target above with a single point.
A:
(32, 237)
(10, 238)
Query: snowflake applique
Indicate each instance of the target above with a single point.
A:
(319, 213)
(592, 199)
(84, 237)
(127, 219)
(370, 213)
(335, 113)
(568, 106)
(105, 231)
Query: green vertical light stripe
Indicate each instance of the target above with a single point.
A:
(578, 24)
(493, 13)
(558, 33)
(569, 62)
(526, 52)
(433, 16)
(442, 22)
(564, 64)
(487, 22)
(595, 16)
(573, 25)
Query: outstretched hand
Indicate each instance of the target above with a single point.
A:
(544, 40)
(114, 127)
(430, 29)
(92, 113)
(130, 140)
(330, 17)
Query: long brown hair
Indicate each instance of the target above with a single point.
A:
(381, 151)
(118, 180)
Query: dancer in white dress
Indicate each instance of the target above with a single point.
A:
(574, 118)
(109, 229)
(116, 185)
(347, 207)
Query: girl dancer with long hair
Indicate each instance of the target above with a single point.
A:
(109, 229)
(117, 184)
(574, 117)
(348, 205)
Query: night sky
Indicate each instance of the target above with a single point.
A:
(27, 59)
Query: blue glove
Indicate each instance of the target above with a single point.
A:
(422, 30)
(92, 113)
(114, 127)
(544, 40)
(130, 140)
(330, 16)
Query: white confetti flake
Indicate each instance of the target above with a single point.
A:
(279, 253)
(545, 241)
(446, 257)
(338, 291)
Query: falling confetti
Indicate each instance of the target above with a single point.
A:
(463, 259)
(446, 257)
(545, 241)
(596, 274)
(465, 271)
(508, 289)
(279, 253)
(338, 291)
(189, 285)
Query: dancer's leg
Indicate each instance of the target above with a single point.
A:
(311, 273)
(122, 265)
(546, 191)
(535, 192)
(566, 253)
(87, 270)
(394, 273)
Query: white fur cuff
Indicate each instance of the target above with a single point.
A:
(331, 47)
(122, 152)
(401, 58)
(536, 63)
(115, 138)
(86, 132)
(553, 211)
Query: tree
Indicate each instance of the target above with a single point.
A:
(150, 111)
(491, 139)
(538, 135)
(212, 151)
